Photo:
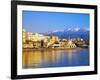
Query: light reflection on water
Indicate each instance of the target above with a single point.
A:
(55, 58)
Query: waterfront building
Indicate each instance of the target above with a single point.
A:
(36, 44)
(56, 45)
(79, 42)
(25, 45)
(53, 40)
(63, 43)
(36, 40)
(70, 44)
(29, 36)
(30, 45)
(36, 37)
(24, 36)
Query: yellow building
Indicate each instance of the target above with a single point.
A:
(70, 44)
(53, 40)
(36, 37)
(36, 40)
(36, 44)
(63, 43)
(24, 35)
(29, 36)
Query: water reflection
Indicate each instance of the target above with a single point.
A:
(55, 58)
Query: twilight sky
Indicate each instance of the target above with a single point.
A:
(41, 22)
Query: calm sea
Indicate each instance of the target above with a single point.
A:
(55, 58)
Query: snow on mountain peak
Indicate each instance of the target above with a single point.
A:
(72, 29)
(76, 29)
(58, 31)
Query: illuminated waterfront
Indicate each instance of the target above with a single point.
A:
(55, 58)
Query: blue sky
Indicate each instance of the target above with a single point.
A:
(41, 22)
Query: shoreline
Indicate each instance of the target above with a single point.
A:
(39, 49)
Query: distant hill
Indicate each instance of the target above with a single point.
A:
(72, 33)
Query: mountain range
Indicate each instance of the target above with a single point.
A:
(71, 32)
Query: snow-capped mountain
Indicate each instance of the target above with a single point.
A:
(72, 29)
(71, 32)
(76, 29)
